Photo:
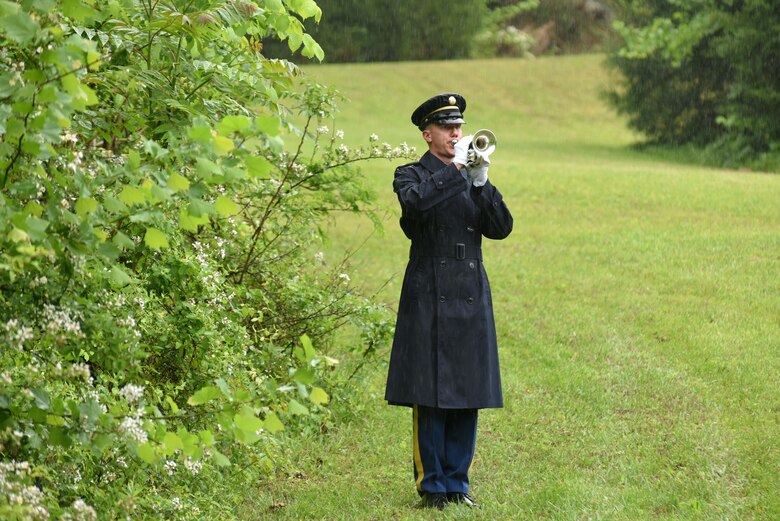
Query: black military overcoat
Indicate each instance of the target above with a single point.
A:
(445, 352)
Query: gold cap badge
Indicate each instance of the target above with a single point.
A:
(452, 100)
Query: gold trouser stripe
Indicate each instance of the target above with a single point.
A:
(417, 458)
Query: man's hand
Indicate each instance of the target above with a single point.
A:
(478, 173)
(462, 150)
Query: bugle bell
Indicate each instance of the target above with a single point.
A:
(482, 145)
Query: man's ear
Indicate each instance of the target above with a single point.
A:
(427, 135)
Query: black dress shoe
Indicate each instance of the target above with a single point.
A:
(462, 499)
(435, 501)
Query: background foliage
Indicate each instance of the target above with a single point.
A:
(166, 313)
(702, 72)
(377, 30)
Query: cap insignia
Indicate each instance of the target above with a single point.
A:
(452, 100)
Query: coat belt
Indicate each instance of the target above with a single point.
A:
(454, 251)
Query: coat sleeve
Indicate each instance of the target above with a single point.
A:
(496, 220)
(418, 193)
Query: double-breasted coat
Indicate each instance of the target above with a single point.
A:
(445, 352)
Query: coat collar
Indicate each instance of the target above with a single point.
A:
(431, 162)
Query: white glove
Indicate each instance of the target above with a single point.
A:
(478, 173)
(462, 150)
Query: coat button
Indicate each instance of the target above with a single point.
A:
(442, 299)
(471, 265)
(470, 300)
(443, 264)
(470, 229)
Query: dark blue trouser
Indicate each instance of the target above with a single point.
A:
(444, 441)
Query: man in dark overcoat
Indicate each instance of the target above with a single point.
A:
(444, 361)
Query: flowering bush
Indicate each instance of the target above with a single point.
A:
(162, 189)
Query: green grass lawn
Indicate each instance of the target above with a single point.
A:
(637, 304)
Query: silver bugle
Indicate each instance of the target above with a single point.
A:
(484, 142)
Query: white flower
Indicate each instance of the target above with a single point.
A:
(80, 370)
(319, 257)
(84, 512)
(132, 393)
(193, 466)
(323, 130)
(343, 148)
(373, 137)
(344, 277)
(176, 502)
(133, 428)
(340, 134)
(170, 467)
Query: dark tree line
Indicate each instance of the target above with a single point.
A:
(703, 72)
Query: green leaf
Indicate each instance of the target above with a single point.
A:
(123, 242)
(204, 395)
(101, 442)
(207, 169)
(308, 349)
(86, 205)
(220, 459)
(53, 419)
(295, 408)
(172, 404)
(42, 398)
(131, 195)
(225, 206)
(223, 145)
(257, 166)
(19, 27)
(108, 249)
(206, 437)
(200, 133)
(250, 424)
(306, 8)
(59, 437)
(200, 207)
(146, 453)
(272, 423)
(312, 48)
(171, 442)
(304, 375)
(156, 239)
(178, 183)
(294, 41)
(119, 276)
(77, 10)
(82, 95)
(191, 222)
(114, 205)
(8, 8)
(17, 235)
(230, 124)
(134, 159)
(191, 446)
(268, 124)
(318, 396)
(36, 228)
(274, 6)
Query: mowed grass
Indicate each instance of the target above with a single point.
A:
(637, 304)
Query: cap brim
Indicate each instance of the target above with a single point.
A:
(455, 120)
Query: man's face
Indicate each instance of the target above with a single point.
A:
(440, 140)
